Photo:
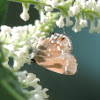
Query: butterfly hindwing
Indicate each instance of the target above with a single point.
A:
(54, 54)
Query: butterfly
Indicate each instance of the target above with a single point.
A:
(54, 53)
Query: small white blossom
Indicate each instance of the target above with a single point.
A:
(48, 8)
(43, 18)
(30, 79)
(98, 27)
(68, 22)
(46, 28)
(17, 64)
(41, 94)
(97, 7)
(19, 53)
(22, 75)
(62, 3)
(5, 28)
(82, 3)
(24, 49)
(83, 23)
(60, 22)
(90, 4)
(10, 47)
(76, 27)
(31, 28)
(37, 33)
(53, 3)
(92, 27)
(5, 32)
(25, 15)
(74, 10)
(18, 32)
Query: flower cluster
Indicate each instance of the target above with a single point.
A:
(82, 10)
(29, 79)
(17, 45)
(18, 41)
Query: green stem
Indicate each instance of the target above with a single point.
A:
(11, 90)
(30, 1)
(91, 12)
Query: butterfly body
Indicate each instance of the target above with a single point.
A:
(54, 53)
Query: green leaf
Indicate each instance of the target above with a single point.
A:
(10, 89)
(3, 10)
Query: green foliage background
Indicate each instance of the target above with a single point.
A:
(85, 84)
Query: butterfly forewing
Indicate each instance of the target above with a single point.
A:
(54, 54)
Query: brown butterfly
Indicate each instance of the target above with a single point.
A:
(54, 53)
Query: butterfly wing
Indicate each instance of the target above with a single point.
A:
(56, 56)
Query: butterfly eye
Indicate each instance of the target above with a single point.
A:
(33, 60)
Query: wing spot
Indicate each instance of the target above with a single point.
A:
(58, 48)
(49, 49)
(48, 54)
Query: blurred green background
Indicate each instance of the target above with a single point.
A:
(85, 84)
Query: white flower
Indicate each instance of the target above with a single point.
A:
(98, 27)
(30, 79)
(92, 27)
(48, 8)
(76, 27)
(97, 7)
(21, 75)
(10, 47)
(83, 23)
(19, 53)
(5, 28)
(46, 28)
(36, 34)
(24, 49)
(60, 22)
(39, 94)
(62, 3)
(68, 21)
(43, 18)
(5, 32)
(17, 64)
(53, 3)
(82, 3)
(31, 28)
(38, 97)
(90, 4)
(25, 15)
(18, 32)
(74, 10)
